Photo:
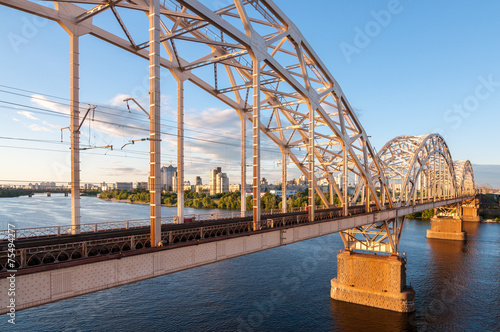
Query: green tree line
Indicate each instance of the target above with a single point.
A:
(224, 201)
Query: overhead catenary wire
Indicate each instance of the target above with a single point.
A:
(205, 129)
(39, 110)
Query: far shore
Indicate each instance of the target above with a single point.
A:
(130, 202)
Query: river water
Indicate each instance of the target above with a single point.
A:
(457, 284)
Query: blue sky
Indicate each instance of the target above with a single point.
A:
(407, 67)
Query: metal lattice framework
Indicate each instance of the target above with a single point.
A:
(250, 45)
(417, 169)
(464, 177)
(252, 57)
(418, 166)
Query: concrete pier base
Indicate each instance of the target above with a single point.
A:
(471, 218)
(470, 213)
(446, 229)
(373, 280)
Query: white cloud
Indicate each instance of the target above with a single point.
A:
(36, 127)
(51, 125)
(15, 119)
(46, 103)
(27, 114)
(107, 121)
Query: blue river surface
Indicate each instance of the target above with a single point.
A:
(457, 284)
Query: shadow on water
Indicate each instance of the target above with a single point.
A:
(354, 317)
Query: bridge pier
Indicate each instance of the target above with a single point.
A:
(447, 228)
(470, 210)
(373, 280)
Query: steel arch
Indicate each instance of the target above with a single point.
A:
(418, 163)
(464, 177)
(296, 102)
(417, 169)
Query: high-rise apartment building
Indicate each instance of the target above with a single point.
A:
(222, 183)
(219, 182)
(213, 180)
(174, 182)
(167, 173)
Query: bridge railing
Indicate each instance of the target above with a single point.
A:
(84, 228)
(125, 224)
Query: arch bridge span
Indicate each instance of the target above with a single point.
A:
(251, 56)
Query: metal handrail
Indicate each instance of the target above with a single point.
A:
(127, 224)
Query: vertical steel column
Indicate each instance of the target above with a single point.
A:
(439, 179)
(434, 184)
(256, 138)
(310, 153)
(331, 190)
(382, 193)
(363, 194)
(154, 111)
(180, 150)
(393, 185)
(415, 191)
(345, 188)
(283, 181)
(367, 199)
(75, 134)
(243, 166)
(423, 189)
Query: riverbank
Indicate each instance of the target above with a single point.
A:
(14, 192)
(133, 202)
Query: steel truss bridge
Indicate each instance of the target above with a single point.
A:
(250, 56)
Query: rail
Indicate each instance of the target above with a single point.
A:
(34, 232)
(39, 253)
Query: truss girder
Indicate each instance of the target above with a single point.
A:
(416, 168)
(313, 85)
(406, 159)
(302, 105)
(464, 177)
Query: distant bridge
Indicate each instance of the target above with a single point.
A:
(250, 46)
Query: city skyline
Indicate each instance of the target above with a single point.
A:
(377, 58)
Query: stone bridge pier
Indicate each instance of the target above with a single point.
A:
(374, 280)
(447, 224)
(470, 210)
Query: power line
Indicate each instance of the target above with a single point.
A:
(42, 110)
(119, 151)
(112, 114)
